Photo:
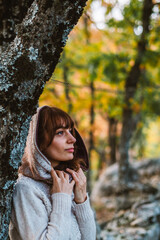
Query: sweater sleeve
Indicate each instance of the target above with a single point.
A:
(85, 219)
(31, 219)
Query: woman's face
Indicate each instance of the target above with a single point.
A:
(61, 147)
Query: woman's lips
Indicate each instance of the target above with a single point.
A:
(70, 150)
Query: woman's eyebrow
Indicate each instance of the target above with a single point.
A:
(62, 127)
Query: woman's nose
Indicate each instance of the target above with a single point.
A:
(71, 138)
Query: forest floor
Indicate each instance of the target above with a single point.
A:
(133, 214)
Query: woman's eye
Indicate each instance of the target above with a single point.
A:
(60, 133)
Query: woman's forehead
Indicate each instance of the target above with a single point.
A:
(64, 123)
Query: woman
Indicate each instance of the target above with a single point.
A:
(50, 200)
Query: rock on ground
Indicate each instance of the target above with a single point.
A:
(133, 214)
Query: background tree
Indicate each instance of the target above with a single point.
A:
(128, 120)
(29, 54)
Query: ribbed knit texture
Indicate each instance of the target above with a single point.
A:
(61, 206)
(37, 215)
(83, 211)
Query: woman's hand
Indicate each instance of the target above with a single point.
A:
(61, 182)
(80, 194)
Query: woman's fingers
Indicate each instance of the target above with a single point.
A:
(70, 171)
(66, 176)
(61, 182)
(56, 174)
(82, 175)
(73, 173)
(80, 171)
(72, 183)
(53, 173)
(80, 185)
(60, 174)
(77, 176)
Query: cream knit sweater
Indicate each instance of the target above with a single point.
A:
(38, 216)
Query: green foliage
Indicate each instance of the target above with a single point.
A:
(152, 58)
(115, 67)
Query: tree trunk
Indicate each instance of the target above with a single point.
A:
(112, 135)
(91, 134)
(129, 123)
(29, 55)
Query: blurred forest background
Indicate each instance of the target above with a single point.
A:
(108, 80)
(89, 81)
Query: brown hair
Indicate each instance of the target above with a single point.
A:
(50, 119)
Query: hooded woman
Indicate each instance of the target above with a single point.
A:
(50, 200)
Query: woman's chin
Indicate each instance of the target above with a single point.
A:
(69, 159)
(70, 156)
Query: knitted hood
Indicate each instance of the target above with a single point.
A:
(34, 162)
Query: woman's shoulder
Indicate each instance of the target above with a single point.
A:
(30, 191)
(27, 183)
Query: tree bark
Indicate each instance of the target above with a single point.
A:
(29, 55)
(129, 123)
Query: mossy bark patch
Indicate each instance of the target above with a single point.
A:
(24, 69)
